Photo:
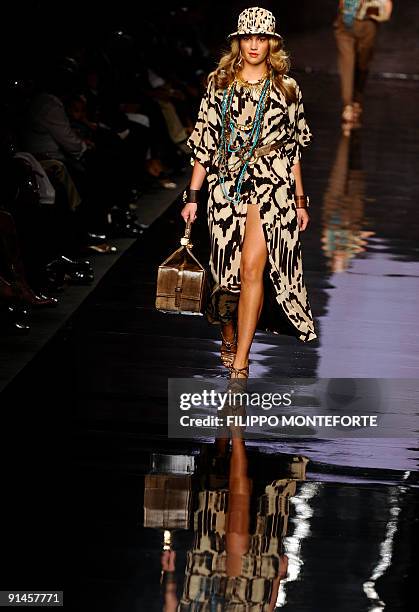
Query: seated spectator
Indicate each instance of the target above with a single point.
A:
(41, 222)
(165, 96)
(48, 133)
(119, 162)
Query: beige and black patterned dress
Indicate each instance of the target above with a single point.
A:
(268, 183)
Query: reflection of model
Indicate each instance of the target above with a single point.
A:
(343, 236)
(235, 563)
(247, 141)
(230, 568)
(355, 33)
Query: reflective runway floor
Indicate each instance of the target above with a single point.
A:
(351, 513)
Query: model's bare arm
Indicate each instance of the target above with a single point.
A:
(302, 214)
(299, 189)
(198, 176)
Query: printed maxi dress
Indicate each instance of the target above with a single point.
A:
(269, 184)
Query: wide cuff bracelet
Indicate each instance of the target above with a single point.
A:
(191, 196)
(302, 201)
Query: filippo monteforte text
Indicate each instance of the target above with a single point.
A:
(324, 420)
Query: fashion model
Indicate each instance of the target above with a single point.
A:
(246, 142)
(355, 31)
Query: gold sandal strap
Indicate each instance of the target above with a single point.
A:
(229, 343)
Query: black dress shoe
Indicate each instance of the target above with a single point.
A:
(128, 216)
(41, 300)
(93, 238)
(79, 277)
(28, 296)
(63, 269)
(126, 230)
(67, 263)
(120, 216)
(14, 318)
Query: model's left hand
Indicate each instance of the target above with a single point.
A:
(302, 218)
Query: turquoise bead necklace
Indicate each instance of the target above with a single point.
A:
(349, 12)
(229, 130)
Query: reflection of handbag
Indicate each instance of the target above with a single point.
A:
(379, 10)
(168, 492)
(181, 281)
(167, 501)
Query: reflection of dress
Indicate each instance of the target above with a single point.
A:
(207, 586)
(269, 182)
(343, 236)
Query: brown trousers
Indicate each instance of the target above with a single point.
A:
(355, 52)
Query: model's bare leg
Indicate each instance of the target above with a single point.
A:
(238, 514)
(252, 264)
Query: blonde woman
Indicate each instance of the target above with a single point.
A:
(246, 142)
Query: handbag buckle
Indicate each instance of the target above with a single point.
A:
(184, 241)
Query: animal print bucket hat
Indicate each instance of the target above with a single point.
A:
(255, 20)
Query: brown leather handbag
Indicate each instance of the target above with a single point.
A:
(181, 281)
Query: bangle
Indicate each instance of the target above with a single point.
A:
(191, 196)
(302, 201)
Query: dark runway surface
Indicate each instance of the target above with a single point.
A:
(351, 535)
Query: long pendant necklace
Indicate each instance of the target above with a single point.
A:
(228, 131)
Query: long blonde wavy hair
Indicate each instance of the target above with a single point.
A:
(228, 67)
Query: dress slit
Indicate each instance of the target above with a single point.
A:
(223, 304)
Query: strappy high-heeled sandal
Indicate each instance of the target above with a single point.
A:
(238, 371)
(228, 350)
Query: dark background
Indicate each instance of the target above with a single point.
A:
(34, 30)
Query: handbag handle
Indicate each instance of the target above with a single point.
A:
(184, 241)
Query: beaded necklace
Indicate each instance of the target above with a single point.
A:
(349, 11)
(229, 130)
